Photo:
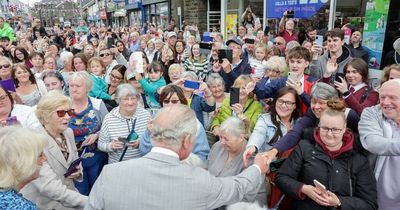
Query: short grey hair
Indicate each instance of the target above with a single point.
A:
(323, 91)
(190, 74)
(234, 126)
(292, 44)
(396, 45)
(124, 90)
(215, 79)
(85, 76)
(172, 124)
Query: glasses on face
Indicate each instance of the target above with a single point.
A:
(278, 43)
(287, 103)
(115, 77)
(274, 71)
(5, 66)
(326, 129)
(172, 101)
(62, 113)
(104, 54)
(129, 98)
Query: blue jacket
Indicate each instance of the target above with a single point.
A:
(150, 88)
(200, 148)
(199, 105)
(99, 88)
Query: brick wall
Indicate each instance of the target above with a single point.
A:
(195, 12)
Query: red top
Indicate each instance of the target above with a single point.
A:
(285, 35)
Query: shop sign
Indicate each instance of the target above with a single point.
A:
(301, 8)
(376, 14)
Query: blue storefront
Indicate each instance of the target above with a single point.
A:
(135, 12)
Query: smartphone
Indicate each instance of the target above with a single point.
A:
(249, 41)
(225, 53)
(123, 140)
(191, 84)
(234, 96)
(319, 39)
(320, 187)
(293, 76)
(72, 168)
(205, 45)
(337, 77)
(275, 165)
(110, 42)
(290, 14)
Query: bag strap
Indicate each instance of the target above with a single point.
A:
(128, 137)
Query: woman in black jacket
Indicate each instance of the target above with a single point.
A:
(328, 157)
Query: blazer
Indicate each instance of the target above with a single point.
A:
(51, 190)
(160, 181)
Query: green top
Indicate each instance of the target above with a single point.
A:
(252, 109)
(7, 31)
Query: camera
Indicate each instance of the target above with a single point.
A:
(290, 14)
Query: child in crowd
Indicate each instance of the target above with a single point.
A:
(175, 71)
(37, 60)
(151, 83)
(99, 87)
(258, 62)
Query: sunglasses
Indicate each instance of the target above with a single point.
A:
(5, 66)
(167, 101)
(61, 113)
(105, 54)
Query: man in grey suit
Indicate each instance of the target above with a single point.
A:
(159, 181)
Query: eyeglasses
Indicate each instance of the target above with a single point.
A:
(61, 113)
(278, 43)
(105, 54)
(5, 66)
(167, 101)
(129, 98)
(287, 103)
(327, 129)
(115, 77)
(274, 71)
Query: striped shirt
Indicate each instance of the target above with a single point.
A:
(114, 126)
(200, 68)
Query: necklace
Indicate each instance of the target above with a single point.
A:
(61, 143)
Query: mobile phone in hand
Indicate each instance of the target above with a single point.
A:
(320, 187)
(225, 53)
(337, 77)
(73, 167)
(110, 42)
(191, 84)
(319, 40)
(234, 96)
(293, 76)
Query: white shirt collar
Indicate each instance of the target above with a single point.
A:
(164, 151)
(358, 86)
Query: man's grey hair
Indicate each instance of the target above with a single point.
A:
(215, 79)
(172, 124)
(190, 74)
(292, 44)
(125, 90)
(323, 91)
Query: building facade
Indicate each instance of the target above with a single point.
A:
(56, 12)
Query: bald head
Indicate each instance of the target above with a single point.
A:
(172, 125)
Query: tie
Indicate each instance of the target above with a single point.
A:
(351, 90)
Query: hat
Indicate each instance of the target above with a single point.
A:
(171, 34)
(234, 39)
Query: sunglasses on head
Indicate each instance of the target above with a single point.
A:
(5, 66)
(61, 113)
(105, 54)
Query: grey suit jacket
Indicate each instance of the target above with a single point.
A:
(158, 181)
(51, 190)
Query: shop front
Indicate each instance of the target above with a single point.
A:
(135, 12)
(156, 12)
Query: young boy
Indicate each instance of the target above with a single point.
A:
(99, 87)
(299, 58)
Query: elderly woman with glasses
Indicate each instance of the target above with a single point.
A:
(325, 170)
(54, 189)
(123, 126)
(5, 68)
(172, 95)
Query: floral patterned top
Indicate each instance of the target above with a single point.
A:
(11, 200)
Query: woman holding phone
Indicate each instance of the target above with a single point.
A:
(326, 159)
(244, 105)
(197, 62)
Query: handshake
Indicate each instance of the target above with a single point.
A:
(263, 160)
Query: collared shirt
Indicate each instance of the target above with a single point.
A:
(164, 151)
(358, 86)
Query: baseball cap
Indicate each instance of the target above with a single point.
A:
(171, 34)
(235, 40)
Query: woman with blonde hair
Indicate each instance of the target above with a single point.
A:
(20, 160)
(54, 188)
(391, 72)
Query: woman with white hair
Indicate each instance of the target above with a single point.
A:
(20, 160)
(123, 126)
(54, 189)
(86, 124)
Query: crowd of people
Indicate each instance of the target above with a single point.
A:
(151, 118)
